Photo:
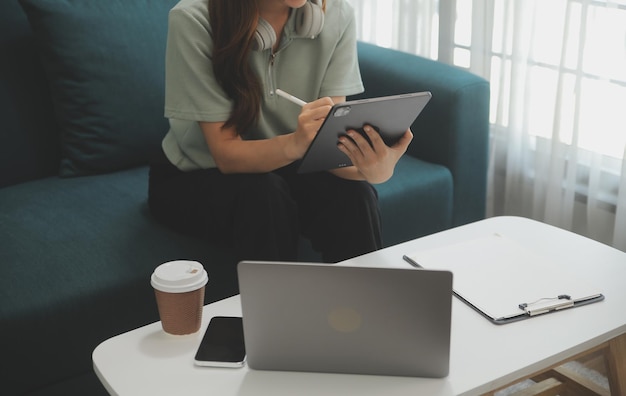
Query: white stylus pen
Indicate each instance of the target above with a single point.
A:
(290, 98)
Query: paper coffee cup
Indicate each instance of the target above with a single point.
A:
(179, 290)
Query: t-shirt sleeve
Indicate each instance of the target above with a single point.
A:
(191, 91)
(343, 77)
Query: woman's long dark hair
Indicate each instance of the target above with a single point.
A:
(233, 23)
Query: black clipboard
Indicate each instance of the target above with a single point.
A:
(391, 116)
(520, 285)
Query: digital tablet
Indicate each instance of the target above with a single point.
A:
(391, 116)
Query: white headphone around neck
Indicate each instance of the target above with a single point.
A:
(309, 23)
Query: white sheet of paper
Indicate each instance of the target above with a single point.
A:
(496, 274)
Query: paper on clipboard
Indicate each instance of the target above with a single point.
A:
(504, 281)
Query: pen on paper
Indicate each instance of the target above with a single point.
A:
(411, 261)
(290, 98)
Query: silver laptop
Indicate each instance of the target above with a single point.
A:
(337, 319)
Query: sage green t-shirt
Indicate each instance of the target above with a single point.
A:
(308, 68)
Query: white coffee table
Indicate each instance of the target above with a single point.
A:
(484, 357)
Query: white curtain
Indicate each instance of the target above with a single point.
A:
(407, 25)
(558, 103)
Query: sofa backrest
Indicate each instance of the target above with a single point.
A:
(29, 143)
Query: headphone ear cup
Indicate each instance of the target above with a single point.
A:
(264, 36)
(310, 20)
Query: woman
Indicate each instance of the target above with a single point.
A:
(228, 171)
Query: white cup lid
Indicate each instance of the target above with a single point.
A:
(179, 276)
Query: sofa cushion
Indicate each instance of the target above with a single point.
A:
(416, 201)
(109, 108)
(76, 256)
(84, 384)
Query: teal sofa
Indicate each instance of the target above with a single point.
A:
(81, 104)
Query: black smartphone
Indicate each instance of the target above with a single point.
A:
(222, 344)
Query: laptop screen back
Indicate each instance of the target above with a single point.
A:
(329, 318)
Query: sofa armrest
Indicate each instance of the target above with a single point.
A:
(453, 129)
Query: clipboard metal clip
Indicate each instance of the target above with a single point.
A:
(547, 304)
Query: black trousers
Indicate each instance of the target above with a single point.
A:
(261, 216)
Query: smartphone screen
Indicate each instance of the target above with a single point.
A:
(222, 344)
